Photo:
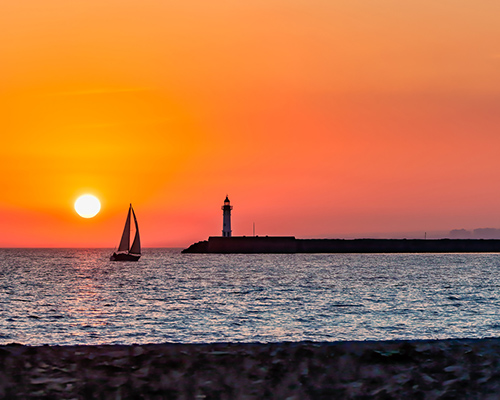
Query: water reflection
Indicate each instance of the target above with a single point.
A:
(77, 296)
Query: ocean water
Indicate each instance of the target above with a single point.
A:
(77, 296)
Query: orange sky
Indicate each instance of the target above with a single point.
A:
(317, 118)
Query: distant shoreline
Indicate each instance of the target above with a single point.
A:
(289, 244)
(452, 368)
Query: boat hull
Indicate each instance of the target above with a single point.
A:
(124, 257)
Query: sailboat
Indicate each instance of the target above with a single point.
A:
(126, 252)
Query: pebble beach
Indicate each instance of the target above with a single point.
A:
(416, 369)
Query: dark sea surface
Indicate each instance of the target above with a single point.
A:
(77, 296)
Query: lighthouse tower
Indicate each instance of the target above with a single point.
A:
(226, 218)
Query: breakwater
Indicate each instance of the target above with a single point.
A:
(289, 244)
(441, 369)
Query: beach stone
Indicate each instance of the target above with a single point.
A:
(441, 369)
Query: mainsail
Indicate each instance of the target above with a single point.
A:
(136, 244)
(125, 242)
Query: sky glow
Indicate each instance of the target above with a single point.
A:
(319, 119)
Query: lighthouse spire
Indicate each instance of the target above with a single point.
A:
(226, 218)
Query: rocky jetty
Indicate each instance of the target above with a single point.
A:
(289, 244)
(441, 369)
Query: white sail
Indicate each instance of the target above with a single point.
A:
(136, 244)
(125, 242)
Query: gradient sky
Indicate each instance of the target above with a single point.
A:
(317, 118)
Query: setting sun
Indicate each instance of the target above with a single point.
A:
(87, 206)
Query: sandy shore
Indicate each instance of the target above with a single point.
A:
(442, 369)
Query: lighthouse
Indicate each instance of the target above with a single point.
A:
(226, 218)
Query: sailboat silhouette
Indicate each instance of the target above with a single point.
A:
(126, 252)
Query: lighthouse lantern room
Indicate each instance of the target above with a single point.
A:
(226, 218)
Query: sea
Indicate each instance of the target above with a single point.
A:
(77, 296)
